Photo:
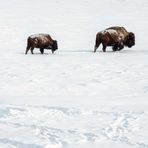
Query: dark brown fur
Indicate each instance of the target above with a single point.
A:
(117, 40)
(41, 41)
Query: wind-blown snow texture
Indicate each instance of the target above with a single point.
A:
(74, 98)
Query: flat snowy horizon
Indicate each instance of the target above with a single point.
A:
(73, 98)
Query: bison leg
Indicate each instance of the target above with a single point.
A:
(121, 46)
(52, 51)
(41, 50)
(97, 45)
(104, 47)
(115, 47)
(27, 49)
(32, 49)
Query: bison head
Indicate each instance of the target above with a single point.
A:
(130, 40)
(54, 46)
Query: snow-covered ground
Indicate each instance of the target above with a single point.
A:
(74, 98)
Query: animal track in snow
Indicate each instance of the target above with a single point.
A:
(62, 126)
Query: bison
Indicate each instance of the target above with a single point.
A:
(117, 37)
(41, 41)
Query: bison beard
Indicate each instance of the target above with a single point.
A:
(41, 41)
(117, 37)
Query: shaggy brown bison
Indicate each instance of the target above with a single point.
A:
(41, 41)
(117, 37)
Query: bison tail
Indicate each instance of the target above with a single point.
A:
(97, 42)
(28, 45)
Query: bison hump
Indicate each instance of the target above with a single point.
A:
(110, 31)
(42, 38)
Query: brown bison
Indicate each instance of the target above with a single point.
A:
(41, 41)
(117, 37)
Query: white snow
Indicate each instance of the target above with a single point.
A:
(73, 98)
